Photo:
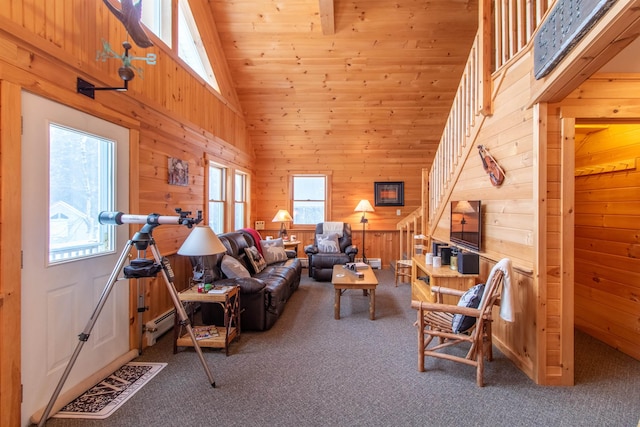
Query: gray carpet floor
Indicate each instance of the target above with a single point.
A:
(312, 370)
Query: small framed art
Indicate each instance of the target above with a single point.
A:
(178, 172)
(389, 193)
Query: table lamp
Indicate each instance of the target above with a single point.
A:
(364, 206)
(201, 242)
(282, 216)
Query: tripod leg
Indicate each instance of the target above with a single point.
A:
(84, 335)
(180, 311)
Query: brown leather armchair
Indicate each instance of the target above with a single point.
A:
(321, 262)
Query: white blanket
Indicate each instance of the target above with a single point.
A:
(333, 227)
(507, 300)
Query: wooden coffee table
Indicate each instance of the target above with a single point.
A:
(342, 279)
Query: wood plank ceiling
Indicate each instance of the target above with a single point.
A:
(384, 75)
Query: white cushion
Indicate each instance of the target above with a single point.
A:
(331, 227)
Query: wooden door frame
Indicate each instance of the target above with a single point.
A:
(10, 253)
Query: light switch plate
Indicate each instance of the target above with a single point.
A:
(259, 225)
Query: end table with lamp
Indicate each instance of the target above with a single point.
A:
(201, 243)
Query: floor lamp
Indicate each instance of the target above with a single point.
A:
(364, 206)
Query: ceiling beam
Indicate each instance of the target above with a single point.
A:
(326, 17)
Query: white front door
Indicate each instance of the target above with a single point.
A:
(73, 166)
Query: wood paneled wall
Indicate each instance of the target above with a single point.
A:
(607, 245)
(353, 167)
(508, 211)
(44, 47)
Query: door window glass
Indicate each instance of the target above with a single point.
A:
(81, 185)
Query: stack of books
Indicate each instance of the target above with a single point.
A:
(204, 332)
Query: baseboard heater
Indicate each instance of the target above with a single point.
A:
(373, 262)
(158, 326)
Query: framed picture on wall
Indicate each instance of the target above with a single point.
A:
(389, 193)
(178, 172)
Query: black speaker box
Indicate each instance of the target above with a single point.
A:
(435, 248)
(468, 263)
(445, 254)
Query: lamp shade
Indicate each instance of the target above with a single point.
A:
(463, 207)
(200, 242)
(282, 216)
(364, 206)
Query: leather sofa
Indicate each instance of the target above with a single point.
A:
(263, 295)
(321, 262)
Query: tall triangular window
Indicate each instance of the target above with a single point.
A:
(190, 47)
(157, 17)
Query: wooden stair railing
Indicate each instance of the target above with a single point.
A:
(506, 29)
(409, 226)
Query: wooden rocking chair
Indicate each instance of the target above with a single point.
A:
(435, 320)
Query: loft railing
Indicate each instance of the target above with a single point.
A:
(506, 28)
(514, 23)
(409, 226)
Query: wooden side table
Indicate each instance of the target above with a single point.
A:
(229, 299)
(292, 244)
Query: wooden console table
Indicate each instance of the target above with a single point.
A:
(440, 276)
(229, 300)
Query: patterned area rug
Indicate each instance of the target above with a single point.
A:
(108, 395)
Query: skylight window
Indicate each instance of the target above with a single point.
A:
(190, 47)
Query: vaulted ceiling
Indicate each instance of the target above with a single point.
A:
(327, 72)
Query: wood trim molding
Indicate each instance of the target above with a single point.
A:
(10, 254)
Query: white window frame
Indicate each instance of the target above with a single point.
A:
(157, 17)
(240, 198)
(217, 228)
(172, 22)
(190, 46)
(325, 201)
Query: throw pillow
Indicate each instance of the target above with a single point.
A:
(273, 251)
(471, 298)
(233, 268)
(328, 243)
(255, 259)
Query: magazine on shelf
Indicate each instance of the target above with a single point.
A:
(204, 332)
(219, 289)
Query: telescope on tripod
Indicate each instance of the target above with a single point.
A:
(141, 240)
(119, 218)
